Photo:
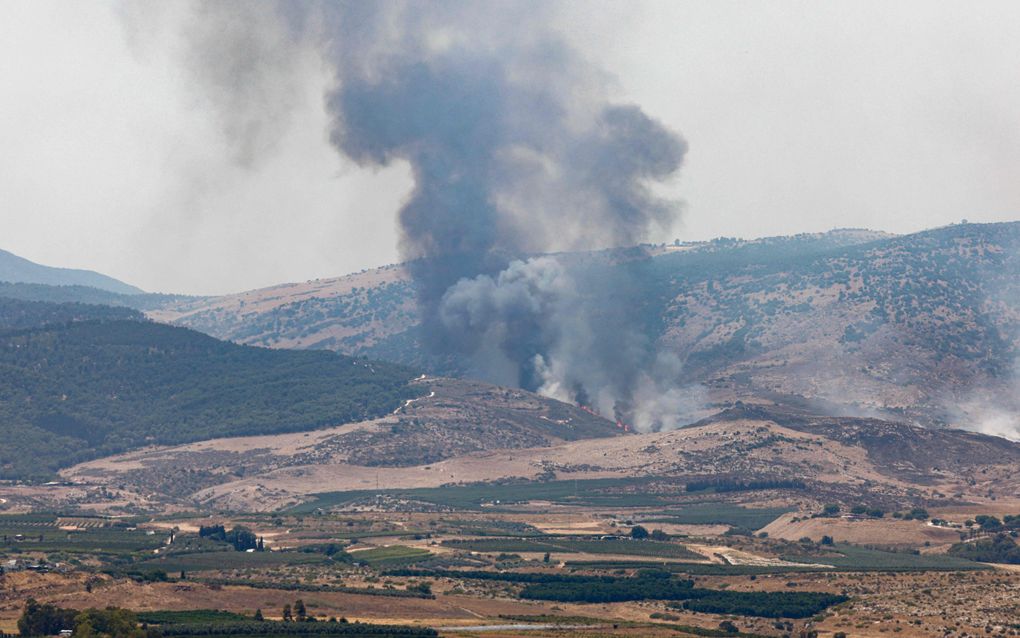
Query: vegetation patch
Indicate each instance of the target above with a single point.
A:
(721, 514)
(625, 492)
(209, 561)
(662, 587)
(97, 536)
(997, 549)
(84, 389)
(392, 556)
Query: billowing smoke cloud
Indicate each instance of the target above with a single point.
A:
(559, 329)
(512, 144)
(516, 151)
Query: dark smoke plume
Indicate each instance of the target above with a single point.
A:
(513, 148)
(515, 151)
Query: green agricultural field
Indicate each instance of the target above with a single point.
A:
(390, 557)
(624, 547)
(42, 533)
(215, 561)
(626, 492)
(720, 514)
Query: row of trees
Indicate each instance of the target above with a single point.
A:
(917, 513)
(721, 485)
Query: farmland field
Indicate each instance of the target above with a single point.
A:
(720, 513)
(591, 492)
(392, 556)
(623, 547)
(47, 533)
(206, 561)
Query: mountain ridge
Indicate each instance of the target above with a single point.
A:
(15, 269)
(920, 327)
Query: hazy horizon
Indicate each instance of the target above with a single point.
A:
(397, 261)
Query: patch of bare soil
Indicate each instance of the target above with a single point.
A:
(860, 531)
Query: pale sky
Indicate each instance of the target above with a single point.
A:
(800, 116)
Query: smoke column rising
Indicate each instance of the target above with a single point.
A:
(515, 151)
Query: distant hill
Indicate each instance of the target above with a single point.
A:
(16, 269)
(18, 314)
(348, 314)
(921, 327)
(74, 391)
(90, 295)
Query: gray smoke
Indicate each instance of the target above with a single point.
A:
(516, 151)
(513, 146)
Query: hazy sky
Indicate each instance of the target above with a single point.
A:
(800, 116)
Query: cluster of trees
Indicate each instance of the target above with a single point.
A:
(45, 620)
(989, 523)
(241, 538)
(997, 549)
(112, 622)
(83, 389)
(915, 514)
(830, 509)
(864, 510)
(638, 532)
(296, 614)
(335, 551)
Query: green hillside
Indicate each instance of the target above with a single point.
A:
(74, 391)
(89, 295)
(17, 314)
